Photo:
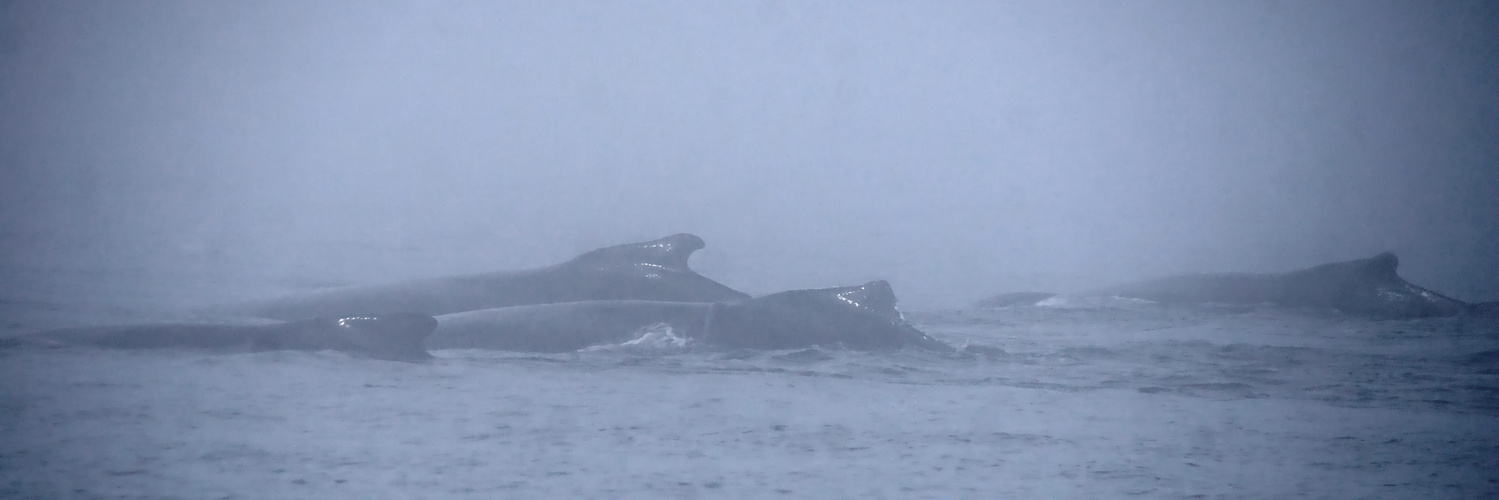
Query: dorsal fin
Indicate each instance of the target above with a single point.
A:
(1377, 269)
(670, 252)
(1382, 266)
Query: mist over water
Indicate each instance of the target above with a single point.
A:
(955, 149)
(159, 160)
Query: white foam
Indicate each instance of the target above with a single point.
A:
(1091, 302)
(653, 337)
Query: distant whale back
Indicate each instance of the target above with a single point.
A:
(1368, 287)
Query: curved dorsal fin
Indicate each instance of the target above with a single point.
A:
(670, 252)
(1382, 265)
(1379, 268)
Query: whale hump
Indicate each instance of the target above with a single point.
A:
(857, 317)
(1369, 287)
(875, 297)
(670, 252)
(1379, 268)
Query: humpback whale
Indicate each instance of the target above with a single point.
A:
(392, 337)
(652, 270)
(1366, 287)
(860, 317)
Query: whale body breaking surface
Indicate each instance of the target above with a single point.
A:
(1364, 287)
(860, 317)
(651, 270)
(396, 337)
(625, 293)
(609, 295)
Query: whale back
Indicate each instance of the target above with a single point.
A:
(1365, 286)
(563, 327)
(1369, 287)
(395, 336)
(652, 270)
(1373, 271)
(860, 317)
(391, 336)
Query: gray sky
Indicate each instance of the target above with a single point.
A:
(955, 148)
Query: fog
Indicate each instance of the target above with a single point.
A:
(955, 149)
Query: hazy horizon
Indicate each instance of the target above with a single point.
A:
(957, 149)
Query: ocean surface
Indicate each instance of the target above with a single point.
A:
(1103, 399)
